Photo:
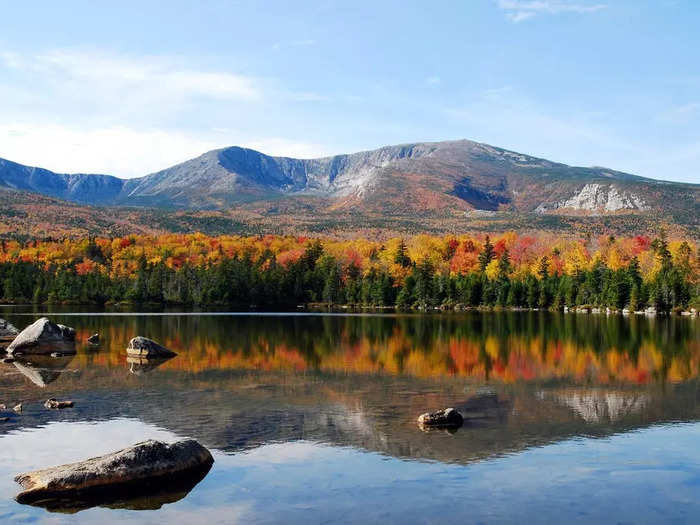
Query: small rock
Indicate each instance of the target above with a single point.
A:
(3, 419)
(18, 408)
(57, 354)
(55, 404)
(8, 360)
(94, 339)
(2, 407)
(144, 347)
(448, 418)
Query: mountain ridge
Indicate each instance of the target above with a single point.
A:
(450, 179)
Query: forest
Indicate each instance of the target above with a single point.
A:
(421, 272)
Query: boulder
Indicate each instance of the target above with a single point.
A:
(94, 339)
(7, 331)
(43, 337)
(144, 347)
(448, 418)
(138, 471)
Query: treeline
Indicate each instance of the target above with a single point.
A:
(316, 276)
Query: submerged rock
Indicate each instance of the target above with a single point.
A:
(43, 337)
(56, 404)
(150, 467)
(448, 418)
(94, 339)
(144, 347)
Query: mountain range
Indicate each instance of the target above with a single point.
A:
(452, 182)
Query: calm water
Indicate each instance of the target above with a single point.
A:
(311, 418)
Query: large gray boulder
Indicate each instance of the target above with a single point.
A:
(44, 337)
(144, 347)
(138, 470)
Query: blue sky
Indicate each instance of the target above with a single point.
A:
(131, 87)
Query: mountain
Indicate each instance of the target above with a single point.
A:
(454, 180)
(84, 188)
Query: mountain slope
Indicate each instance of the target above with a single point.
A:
(437, 180)
(83, 188)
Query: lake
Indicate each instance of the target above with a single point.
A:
(311, 418)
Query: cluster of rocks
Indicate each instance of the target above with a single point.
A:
(650, 311)
(144, 469)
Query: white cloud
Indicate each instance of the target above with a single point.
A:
(519, 10)
(116, 150)
(103, 71)
(125, 151)
(99, 112)
(433, 81)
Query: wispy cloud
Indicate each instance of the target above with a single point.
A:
(294, 43)
(520, 10)
(101, 112)
(682, 114)
(103, 70)
(433, 81)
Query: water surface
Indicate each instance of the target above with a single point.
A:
(311, 418)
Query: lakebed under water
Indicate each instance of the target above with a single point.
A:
(312, 418)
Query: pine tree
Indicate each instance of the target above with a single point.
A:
(487, 254)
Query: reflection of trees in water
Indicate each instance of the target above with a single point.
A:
(506, 346)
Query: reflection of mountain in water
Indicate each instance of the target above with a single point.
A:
(595, 405)
(243, 381)
(234, 411)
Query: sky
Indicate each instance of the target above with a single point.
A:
(131, 87)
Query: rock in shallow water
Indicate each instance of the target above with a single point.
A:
(7, 331)
(144, 347)
(142, 469)
(56, 404)
(43, 337)
(448, 418)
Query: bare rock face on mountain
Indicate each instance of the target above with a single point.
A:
(139, 470)
(44, 337)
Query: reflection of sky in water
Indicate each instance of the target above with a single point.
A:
(647, 476)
